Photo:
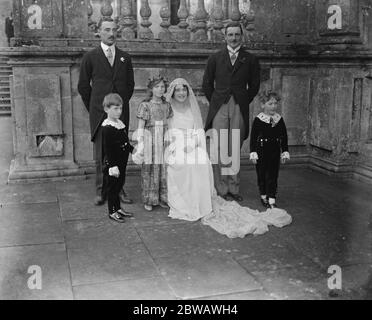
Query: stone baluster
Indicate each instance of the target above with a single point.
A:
(200, 18)
(145, 32)
(126, 21)
(218, 18)
(106, 10)
(165, 34)
(92, 25)
(248, 18)
(225, 9)
(183, 13)
(235, 12)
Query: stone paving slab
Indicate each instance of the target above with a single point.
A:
(109, 261)
(155, 257)
(136, 289)
(27, 193)
(95, 232)
(26, 224)
(201, 273)
(250, 295)
(170, 240)
(74, 209)
(55, 276)
(283, 286)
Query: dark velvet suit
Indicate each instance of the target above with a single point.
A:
(97, 79)
(221, 80)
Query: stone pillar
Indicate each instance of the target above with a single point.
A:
(126, 20)
(145, 32)
(200, 19)
(165, 34)
(183, 34)
(42, 114)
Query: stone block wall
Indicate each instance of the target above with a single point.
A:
(326, 103)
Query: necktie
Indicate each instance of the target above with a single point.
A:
(110, 57)
(233, 58)
(272, 121)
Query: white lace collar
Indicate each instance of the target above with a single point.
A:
(266, 118)
(118, 125)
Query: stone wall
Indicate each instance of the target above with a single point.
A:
(326, 104)
(321, 66)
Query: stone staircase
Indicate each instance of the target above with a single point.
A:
(5, 101)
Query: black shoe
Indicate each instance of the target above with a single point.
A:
(237, 197)
(125, 213)
(226, 197)
(265, 203)
(116, 216)
(124, 198)
(99, 201)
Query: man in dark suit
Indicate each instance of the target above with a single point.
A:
(231, 81)
(105, 69)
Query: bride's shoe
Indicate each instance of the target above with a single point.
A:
(265, 203)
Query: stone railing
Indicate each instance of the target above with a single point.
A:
(135, 18)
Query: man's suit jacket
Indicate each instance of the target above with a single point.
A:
(221, 80)
(98, 78)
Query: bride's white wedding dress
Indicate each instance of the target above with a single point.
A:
(191, 192)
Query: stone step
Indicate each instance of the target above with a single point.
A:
(5, 102)
(5, 113)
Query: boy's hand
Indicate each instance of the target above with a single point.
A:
(114, 172)
(285, 156)
(253, 157)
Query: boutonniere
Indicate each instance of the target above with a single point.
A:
(243, 59)
(122, 59)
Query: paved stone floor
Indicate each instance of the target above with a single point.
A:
(84, 255)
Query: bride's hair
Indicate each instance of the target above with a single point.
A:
(151, 83)
(185, 86)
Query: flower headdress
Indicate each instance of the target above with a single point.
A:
(153, 81)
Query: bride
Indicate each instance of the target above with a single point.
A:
(191, 192)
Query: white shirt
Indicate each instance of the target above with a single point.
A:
(233, 51)
(105, 47)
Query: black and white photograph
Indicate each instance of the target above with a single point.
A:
(185, 155)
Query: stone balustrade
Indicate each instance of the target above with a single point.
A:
(164, 20)
(205, 23)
